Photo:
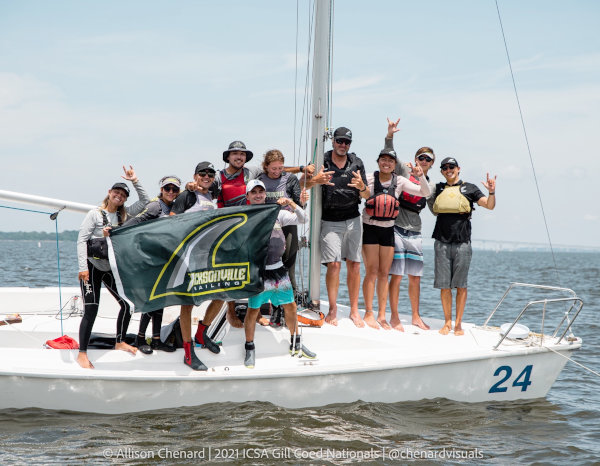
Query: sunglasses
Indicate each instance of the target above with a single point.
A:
(170, 188)
(343, 141)
(424, 157)
(209, 174)
(449, 166)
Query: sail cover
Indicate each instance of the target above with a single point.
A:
(192, 257)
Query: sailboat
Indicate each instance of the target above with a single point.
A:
(499, 360)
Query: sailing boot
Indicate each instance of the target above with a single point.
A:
(276, 316)
(298, 349)
(249, 359)
(190, 358)
(142, 345)
(203, 339)
(157, 344)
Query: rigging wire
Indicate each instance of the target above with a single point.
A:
(527, 143)
(53, 217)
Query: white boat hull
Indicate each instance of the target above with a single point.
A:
(353, 364)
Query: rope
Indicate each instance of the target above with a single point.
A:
(527, 143)
(54, 217)
(574, 362)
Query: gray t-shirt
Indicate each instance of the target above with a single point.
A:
(407, 219)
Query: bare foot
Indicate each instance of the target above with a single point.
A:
(396, 324)
(458, 331)
(357, 319)
(370, 320)
(125, 347)
(262, 320)
(445, 330)
(331, 317)
(384, 324)
(233, 319)
(419, 323)
(83, 361)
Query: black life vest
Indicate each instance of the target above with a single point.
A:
(412, 202)
(383, 205)
(341, 196)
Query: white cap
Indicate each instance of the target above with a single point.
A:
(253, 184)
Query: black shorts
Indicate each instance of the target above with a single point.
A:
(383, 236)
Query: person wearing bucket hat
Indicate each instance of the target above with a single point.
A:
(378, 230)
(408, 240)
(229, 189)
(344, 184)
(452, 203)
(94, 268)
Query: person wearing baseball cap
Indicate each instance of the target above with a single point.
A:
(94, 268)
(452, 203)
(408, 240)
(198, 197)
(344, 184)
(277, 285)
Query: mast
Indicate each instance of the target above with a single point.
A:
(319, 119)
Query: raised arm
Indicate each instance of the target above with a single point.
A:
(489, 201)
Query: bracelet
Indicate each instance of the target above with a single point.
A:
(491, 194)
(363, 190)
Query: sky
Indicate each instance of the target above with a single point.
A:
(87, 87)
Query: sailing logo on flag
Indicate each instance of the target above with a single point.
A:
(190, 258)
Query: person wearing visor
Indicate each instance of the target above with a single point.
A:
(94, 268)
(452, 203)
(344, 184)
(408, 240)
(158, 207)
(197, 197)
(277, 285)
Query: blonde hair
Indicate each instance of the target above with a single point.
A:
(120, 209)
(273, 155)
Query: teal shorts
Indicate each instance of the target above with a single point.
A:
(276, 292)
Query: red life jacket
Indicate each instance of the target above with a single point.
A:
(383, 205)
(233, 191)
(410, 201)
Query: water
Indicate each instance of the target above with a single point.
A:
(563, 427)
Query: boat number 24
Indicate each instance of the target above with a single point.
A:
(505, 372)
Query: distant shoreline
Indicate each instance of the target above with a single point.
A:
(67, 235)
(479, 245)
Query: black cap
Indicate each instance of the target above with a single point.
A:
(390, 153)
(122, 186)
(205, 166)
(237, 146)
(342, 133)
(451, 160)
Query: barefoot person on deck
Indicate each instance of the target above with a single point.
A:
(94, 268)
(344, 186)
(408, 244)
(378, 231)
(452, 203)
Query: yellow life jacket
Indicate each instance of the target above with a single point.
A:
(451, 201)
